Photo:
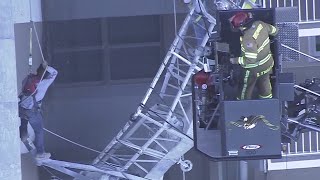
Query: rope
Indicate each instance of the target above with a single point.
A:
(36, 32)
(68, 140)
(38, 41)
(30, 42)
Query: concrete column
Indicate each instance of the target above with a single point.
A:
(216, 170)
(243, 170)
(10, 163)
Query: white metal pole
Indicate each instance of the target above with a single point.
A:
(317, 140)
(302, 142)
(270, 3)
(299, 5)
(307, 11)
(314, 9)
(310, 142)
(243, 170)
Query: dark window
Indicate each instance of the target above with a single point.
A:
(134, 62)
(89, 51)
(318, 43)
(137, 29)
(77, 51)
(135, 47)
(82, 66)
(76, 33)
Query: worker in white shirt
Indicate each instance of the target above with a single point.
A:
(34, 88)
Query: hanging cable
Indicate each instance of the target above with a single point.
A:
(36, 32)
(38, 41)
(30, 42)
(68, 140)
(30, 52)
(30, 55)
(175, 17)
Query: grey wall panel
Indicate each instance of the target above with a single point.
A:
(89, 115)
(22, 39)
(82, 9)
(29, 169)
(296, 174)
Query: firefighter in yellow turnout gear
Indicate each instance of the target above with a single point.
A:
(256, 57)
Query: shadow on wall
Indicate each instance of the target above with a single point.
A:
(29, 169)
(22, 41)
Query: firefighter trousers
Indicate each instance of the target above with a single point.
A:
(253, 79)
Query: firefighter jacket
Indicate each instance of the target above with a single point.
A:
(255, 46)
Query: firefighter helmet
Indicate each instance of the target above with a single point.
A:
(240, 19)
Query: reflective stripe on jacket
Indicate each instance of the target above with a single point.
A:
(255, 44)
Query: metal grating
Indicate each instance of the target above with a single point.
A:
(287, 21)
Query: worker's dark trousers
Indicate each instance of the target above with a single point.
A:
(23, 129)
(253, 79)
(34, 117)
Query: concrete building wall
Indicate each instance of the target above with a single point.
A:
(82, 9)
(10, 165)
(22, 26)
(13, 45)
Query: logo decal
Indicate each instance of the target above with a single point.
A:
(251, 147)
(252, 121)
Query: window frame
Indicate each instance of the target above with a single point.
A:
(160, 44)
(312, 46)
(106, 47)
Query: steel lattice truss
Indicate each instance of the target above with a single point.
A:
(161, 129)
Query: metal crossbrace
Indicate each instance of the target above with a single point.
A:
(91, 172)
(161, 131)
